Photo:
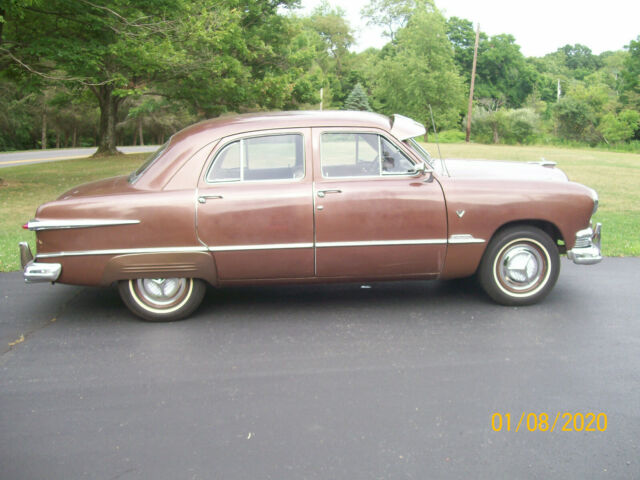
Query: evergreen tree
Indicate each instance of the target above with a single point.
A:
(357, 100)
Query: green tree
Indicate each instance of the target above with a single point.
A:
(418, 70)
(330, 37)
(357, 99)
(217, 55)
(580, 60)
(502, 71)
(575, 120)
(112, 48)
(631, 75)
(389, 14)
(463, 38)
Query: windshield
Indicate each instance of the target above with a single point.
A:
(420, 151)
(148, 162)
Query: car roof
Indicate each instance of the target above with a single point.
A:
(186, 142)
(231, 124)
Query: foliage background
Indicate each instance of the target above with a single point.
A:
(109, 72)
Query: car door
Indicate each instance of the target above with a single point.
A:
(255, 207)
(374, 217)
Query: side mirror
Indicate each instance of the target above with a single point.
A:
(418, 170)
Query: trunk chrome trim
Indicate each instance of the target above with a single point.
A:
(37, 225)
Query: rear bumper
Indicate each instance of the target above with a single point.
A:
(35, 272)
(587, 248)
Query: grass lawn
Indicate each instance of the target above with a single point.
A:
(25, 187)
(616, 177)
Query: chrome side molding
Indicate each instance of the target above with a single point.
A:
(464, 237)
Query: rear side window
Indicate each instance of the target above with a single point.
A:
(268, 157)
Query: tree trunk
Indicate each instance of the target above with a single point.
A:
(108, 117)
(496, 139)
(140, 131)
(75, 137)
(57, 139)
(43, 139)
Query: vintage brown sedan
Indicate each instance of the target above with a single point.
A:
(310, 197)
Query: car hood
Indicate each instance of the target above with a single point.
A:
(108, 186)
(459, 168)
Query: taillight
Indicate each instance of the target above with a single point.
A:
(26, 226)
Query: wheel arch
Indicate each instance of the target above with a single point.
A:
(198, 265)
(546, 226)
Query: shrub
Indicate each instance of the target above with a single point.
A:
(451, 136)
(505, 126)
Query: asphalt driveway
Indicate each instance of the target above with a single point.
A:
(400, 380)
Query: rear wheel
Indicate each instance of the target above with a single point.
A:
(520, 267)
(162, 299)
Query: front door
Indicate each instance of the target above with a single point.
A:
(255, 207)
(374, 217)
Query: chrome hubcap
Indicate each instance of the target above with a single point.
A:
(161, 291)
(521, 267)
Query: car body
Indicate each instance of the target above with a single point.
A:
(310, 197)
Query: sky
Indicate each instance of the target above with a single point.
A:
(539, 26)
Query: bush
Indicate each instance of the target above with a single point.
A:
(575, 120)
(505, 126)
(619, 128)
(451, 136)
(519, 126)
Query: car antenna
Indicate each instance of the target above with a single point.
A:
(435, 132)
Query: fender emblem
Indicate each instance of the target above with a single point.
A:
(460, 213)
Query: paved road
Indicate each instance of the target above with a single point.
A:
(398, 381)
(11, 159)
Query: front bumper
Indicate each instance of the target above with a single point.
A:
(587, 248)
(35, 272)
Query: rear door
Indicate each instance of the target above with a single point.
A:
(255, 207)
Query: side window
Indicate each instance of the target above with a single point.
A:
(269, 157)
(349, 154)
(360, 155)
(226, 167)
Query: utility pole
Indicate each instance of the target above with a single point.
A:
(321, 97)
(559, 89)
(473, 81)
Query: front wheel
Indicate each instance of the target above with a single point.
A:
(162, 299)
(520, 267)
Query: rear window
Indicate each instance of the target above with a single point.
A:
(147, 163)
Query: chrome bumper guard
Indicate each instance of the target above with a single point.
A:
(35, 272)
(587, 248)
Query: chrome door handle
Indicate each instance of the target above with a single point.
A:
(322, 193)
(204, 198)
